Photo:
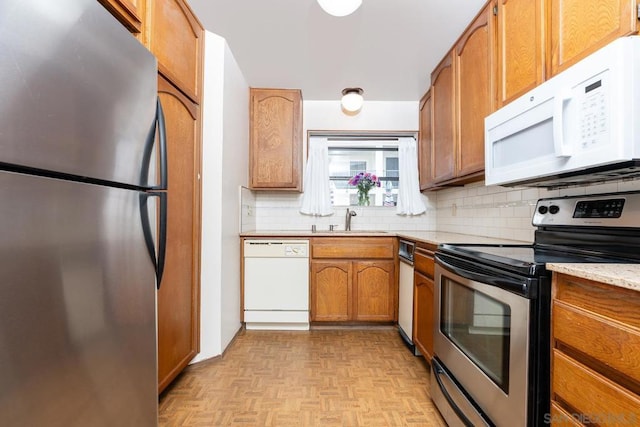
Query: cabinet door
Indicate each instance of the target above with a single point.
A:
(178, 303)
(276, 139)
(605, 20)
(424, 143)
(128, 12)
(330, 291)
(423, 321)
(375, 292)
(474, 71)
(176, 38)
(520, 47)
(443, 131)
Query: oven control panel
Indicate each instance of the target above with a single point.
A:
(603, 210)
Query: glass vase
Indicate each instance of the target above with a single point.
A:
(363, 198)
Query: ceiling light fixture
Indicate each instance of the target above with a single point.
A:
(339, 7)
(352, 99)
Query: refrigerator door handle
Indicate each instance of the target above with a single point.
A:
(159, 125)
(162, 136)
(158, 259)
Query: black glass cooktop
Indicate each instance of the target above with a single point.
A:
(531, 259)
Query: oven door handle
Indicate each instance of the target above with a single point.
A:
(524, 286)
(438, 373)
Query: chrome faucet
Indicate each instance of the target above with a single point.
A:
(347, 219)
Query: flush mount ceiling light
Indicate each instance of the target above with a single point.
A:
(339, 7)
(352, 99)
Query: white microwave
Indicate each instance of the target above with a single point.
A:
(581, 126)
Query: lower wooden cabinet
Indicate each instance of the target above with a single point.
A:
(374, 291)
(423, 286)
(595, 362)
(353, 280)
(331, 291)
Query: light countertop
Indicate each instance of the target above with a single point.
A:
(428, 237)
(622, 275)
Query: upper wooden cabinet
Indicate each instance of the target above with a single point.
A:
(462, 95)
(129, 12)
(474, 71)
(275, 151)
(578, 29)
(176, 38)
(424, 143)
(520, 47)
(443, 120)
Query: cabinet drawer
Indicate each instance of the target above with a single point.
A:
(592, 394)
(611, 343)
(353, 248)
(423, 263)
(620, 304)
(561, 418)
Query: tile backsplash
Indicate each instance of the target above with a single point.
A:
(474, 209)
(281, 211)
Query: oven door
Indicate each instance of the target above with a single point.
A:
(482, 340)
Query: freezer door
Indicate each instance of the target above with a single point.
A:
(78, 93)
(77, 306)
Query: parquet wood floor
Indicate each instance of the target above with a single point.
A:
(343, 377)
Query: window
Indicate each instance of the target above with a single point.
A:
(348, 157)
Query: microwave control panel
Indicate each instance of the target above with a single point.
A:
(593, 112)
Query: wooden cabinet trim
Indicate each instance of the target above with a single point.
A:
(126, 13)
(481, 21)
(164, 86)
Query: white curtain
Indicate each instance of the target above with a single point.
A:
(316, 199)
(409, 199)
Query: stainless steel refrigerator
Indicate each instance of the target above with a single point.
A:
(81, 246)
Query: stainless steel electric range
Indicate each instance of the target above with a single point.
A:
(492, 302)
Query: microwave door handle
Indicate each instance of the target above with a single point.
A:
(561, 149)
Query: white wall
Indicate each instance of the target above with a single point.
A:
(225, 153)
(280, 211)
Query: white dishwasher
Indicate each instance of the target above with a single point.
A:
(276, 284)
